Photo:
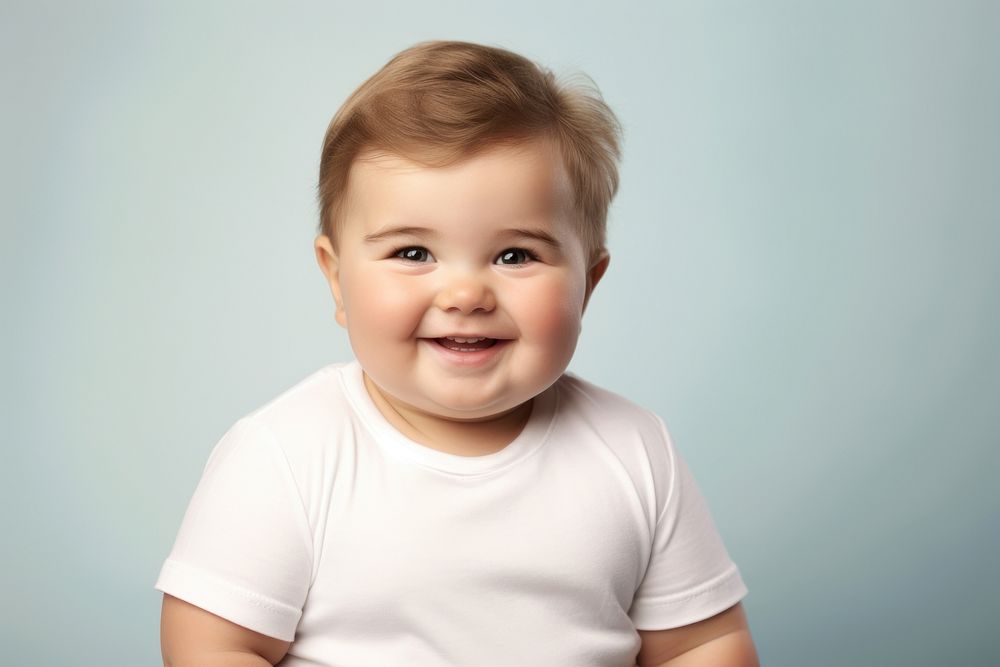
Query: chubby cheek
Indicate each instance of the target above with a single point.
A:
(376, 306)
(549, 317)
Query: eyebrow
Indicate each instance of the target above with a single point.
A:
(536, 234)
(403, 230)
(423, 232)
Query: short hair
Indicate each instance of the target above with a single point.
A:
(440, 102)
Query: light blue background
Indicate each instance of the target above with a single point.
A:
(804, 283)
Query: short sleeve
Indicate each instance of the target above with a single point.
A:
(244, 549)
(690, 576)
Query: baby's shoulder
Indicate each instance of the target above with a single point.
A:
(602, 408)
(301, 418)
(635, 436)
(619, 422)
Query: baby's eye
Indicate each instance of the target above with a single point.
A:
(415, 254)
(515, 256)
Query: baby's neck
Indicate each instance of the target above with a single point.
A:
(452, 436)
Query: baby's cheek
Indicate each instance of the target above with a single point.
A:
(555, 311)
(376, 300)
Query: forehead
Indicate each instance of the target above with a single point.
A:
(511, 181)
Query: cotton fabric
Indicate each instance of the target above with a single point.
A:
(316, 522)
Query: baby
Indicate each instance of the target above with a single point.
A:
(452, 496)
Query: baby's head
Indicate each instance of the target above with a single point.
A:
(438, 103)
(463, 201)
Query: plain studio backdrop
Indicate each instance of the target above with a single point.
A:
(804, 284)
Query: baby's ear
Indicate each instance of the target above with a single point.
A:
(329, 264)
(594, 274)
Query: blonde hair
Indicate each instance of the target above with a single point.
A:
(440, 102)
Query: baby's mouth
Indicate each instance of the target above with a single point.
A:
(459, 344)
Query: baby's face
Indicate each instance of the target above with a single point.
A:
(461, 288)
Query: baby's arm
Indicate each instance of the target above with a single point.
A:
(189, 635)
(723, 639)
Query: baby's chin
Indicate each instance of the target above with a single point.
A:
(477, 415)
(455, 406)
(464, 409)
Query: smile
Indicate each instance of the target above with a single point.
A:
(467, 353)
(459, 344)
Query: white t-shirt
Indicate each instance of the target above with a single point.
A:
(318, 523)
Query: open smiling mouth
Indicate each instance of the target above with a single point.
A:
(459, 344)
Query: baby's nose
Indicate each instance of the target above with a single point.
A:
(466, 294)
